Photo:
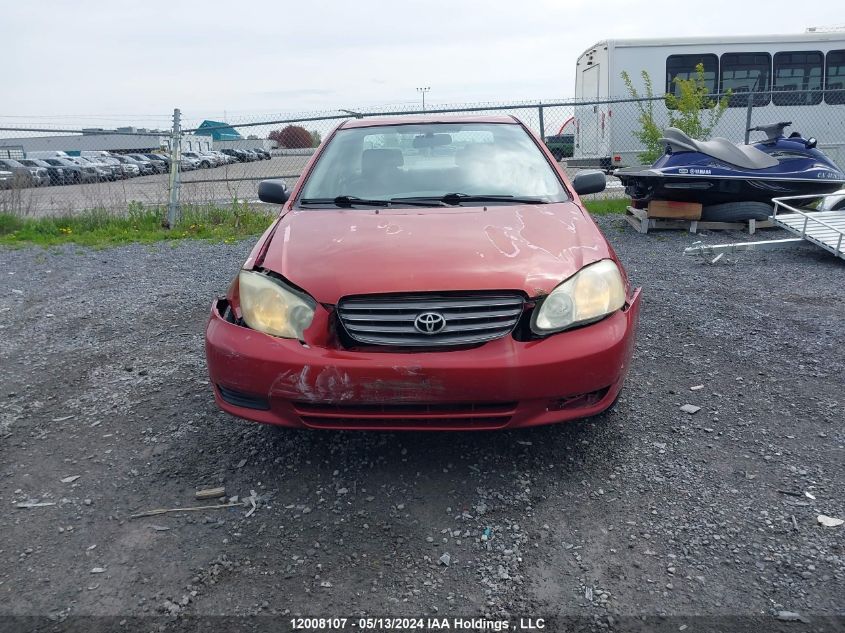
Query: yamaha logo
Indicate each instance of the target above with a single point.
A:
(430, 322)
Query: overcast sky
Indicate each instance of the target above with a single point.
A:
(113, 63)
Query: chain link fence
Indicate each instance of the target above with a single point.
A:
(51, 170)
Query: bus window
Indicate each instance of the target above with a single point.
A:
(743, 73)
(794, 72)
(683, 67)
(835, 78)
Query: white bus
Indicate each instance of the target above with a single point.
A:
(774, 65)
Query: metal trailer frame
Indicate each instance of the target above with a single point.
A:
(823, 228)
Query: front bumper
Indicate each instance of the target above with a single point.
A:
(502, 384)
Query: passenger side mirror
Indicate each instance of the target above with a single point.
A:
(588, 181)
(275, 191)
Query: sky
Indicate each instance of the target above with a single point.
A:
(122, 63)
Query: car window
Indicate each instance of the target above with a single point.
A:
(433, 160)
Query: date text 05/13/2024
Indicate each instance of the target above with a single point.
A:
(416, 624)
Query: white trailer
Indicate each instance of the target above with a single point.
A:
(811, 66)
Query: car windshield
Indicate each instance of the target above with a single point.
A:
(449, 161)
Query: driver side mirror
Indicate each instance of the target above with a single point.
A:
(588, 181)
(274, 191)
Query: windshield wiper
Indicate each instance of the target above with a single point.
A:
(458, 198)
(347, 201)
(423, 201)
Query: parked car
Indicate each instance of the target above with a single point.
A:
(263, 153)
(115, 172)
(162, 157)
(56, 175)
(402, 288)
(216, 161)
(188, 163)
(561, 145)
(74, 172)
(130, 168)
(237, 154)
(24, 176)
(203, 161)
(225, 159)
(159, 166)
(103, 172)
(121, 171)
(145, 168)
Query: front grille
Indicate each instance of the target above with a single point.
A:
(428, 424)
(395, 319)
(432, 416)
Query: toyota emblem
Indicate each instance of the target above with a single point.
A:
(430, 322)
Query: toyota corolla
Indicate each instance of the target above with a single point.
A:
(426, 273)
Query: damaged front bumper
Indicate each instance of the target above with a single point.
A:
(501, 384)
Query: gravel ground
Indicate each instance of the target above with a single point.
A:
(644, 511)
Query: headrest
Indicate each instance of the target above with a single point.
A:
(377, 159)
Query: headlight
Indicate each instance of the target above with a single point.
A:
(590, 294)
(267, 305)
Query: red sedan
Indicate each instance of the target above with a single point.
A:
(426, 273)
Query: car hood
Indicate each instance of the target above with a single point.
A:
(331, 253)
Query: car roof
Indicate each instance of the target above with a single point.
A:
(428, 118)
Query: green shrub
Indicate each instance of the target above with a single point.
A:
(692, 110)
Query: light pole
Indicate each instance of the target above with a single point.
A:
(423, 91)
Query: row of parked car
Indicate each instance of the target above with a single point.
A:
(63, 169)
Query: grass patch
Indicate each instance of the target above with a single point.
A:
(607, 207)
(139, 224)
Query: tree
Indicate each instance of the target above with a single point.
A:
(291, 137)
(687, 107)
(649, 131)
(687, 104)
(316, 139)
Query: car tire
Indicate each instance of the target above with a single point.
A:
(736, 212)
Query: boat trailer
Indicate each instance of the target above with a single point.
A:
(823, 228)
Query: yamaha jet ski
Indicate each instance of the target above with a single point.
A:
(718, 171)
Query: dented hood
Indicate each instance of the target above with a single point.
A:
(332, 253)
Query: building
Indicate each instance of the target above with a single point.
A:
(121, 140)
(225, 136)
(218, 131)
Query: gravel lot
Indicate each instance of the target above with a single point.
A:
(645, 511)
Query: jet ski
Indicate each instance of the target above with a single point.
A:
(718, 171)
